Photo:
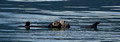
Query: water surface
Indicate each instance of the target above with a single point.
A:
(77, 13)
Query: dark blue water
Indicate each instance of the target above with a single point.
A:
(77, 13)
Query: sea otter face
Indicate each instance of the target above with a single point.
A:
(55, 23)
(62, 22)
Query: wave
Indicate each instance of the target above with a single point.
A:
(35, 0)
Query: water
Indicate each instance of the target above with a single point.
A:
(77, 13)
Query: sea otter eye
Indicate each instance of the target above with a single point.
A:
(64, 21)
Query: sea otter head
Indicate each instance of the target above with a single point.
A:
(62, 22)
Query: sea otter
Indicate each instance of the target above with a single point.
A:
(55, 26)
(64, 26)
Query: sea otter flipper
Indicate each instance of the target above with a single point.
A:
(27, 23)
(93, 26)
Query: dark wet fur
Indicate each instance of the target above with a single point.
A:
(27, 23)
(94, 26)
(52, 27)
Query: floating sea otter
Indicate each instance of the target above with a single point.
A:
(55, 26)
(94, 26)
(59, 25)
(64, 26)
